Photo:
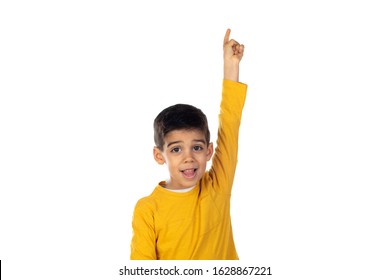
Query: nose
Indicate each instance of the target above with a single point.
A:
(188, 157)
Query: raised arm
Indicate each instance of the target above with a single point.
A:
(232, 55)
(233, 98)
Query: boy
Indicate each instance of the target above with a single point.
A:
(187, 217)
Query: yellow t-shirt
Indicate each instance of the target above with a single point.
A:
(195, 225)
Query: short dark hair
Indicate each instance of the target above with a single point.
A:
(179, 116)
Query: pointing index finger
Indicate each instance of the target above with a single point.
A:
(227, 35)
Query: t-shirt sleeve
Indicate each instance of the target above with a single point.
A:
(225, 157)
(143, 243)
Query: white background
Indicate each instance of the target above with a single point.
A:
(81, 82)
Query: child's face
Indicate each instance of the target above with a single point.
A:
(186, 154)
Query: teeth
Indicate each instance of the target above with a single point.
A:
(189, 171)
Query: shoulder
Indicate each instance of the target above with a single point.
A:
(147, 203)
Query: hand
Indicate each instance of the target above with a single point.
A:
(232, 50)
(232, 55)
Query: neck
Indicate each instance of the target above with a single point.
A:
(167, 185)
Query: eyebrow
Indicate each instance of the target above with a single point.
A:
(195, 140)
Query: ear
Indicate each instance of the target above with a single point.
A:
(158, 157)
(210, 151)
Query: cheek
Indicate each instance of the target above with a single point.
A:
(203, 160)
(171, 162)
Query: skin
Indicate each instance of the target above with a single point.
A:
(232, 55)
(186, 152)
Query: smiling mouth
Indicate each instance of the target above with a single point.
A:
(189, 173)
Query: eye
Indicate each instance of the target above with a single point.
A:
(198, 148)
(175, 150)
